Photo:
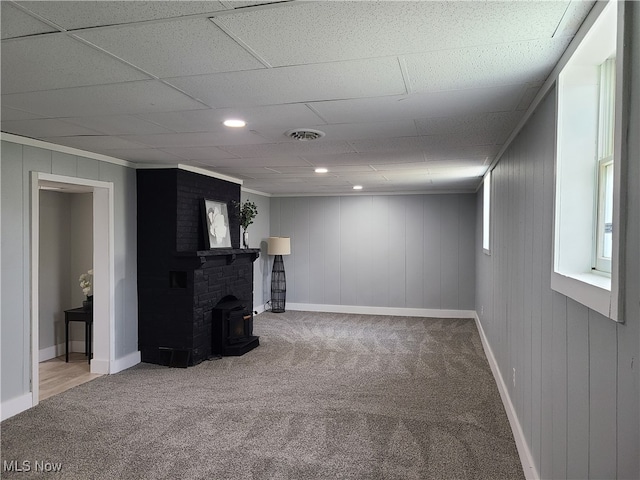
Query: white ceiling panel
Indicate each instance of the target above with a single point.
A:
(114, 99)
(422, 105)
(82, 14)
(485, 123)
(422, 143)
(13, 114)
(147, 155)
(284, 117)
(168, 49)
(45, 127)
(371, 158)
(96, 143)
(205, 139)
(514, 63)
(200, 153)
(16, 23)
(276, 163)
(349, 131)
(304, 83)
(58, 62)
(330, 31)
(118, 125)
(299, 148)
(412, 95)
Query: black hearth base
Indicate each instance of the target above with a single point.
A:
(237, 349)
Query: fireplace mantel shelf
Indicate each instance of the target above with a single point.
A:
(230, 253)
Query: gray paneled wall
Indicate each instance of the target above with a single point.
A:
(413, 251)
(571, 364)
(17, 161)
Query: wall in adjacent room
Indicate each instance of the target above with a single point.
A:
(401, 251)
(55, 268)
(576, 372)
(16, 164)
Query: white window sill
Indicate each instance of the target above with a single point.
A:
(589, 289)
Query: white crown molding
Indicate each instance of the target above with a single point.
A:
(32, 142)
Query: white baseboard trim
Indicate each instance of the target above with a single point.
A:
(15, 406)
(528, 465)
(54, 351)
(395, 311)
(125, 362)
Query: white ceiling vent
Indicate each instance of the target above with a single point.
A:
(304, 134)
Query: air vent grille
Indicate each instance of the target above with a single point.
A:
(304, 134)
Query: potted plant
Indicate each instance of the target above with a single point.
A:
(247, 211)
(85, 284)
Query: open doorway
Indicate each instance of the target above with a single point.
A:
(65, 254)
(72, 233)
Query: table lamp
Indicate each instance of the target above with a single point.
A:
(278, 246)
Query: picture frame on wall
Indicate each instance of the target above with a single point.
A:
(215, 216)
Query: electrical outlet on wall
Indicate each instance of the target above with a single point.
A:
(481, 309)
(514, 377)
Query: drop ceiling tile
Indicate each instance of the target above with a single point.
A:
(528, 96)
(422, 143)
(349, 131)
(178, 48)
(45, 127)
(299, 148)
(504, 64)
(96, 143)
(302, 83)
(16, 23)
(421, 105)
(369, 158)
(199, 153)
(210, 120)
(82, 14)
(116, 99)
(203, 139)
(58, 62)
(9, 114)
(119, 125)
(330, 31)
(486, 123)
(271, 162)
(146, 155)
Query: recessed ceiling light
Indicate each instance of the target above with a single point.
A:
(357, 187)
(234, 123)
(321, 170)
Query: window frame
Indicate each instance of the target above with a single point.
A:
(576, 185)
(486, 213)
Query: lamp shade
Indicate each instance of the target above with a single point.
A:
(279, 246)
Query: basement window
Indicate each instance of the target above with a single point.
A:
(585, 237)
(486, 213)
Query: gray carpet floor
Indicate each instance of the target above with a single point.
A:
(325, 396)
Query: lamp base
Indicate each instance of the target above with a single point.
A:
(278, 286)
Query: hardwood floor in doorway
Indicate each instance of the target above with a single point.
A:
(56, 376)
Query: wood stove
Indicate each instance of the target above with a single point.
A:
(232, 328)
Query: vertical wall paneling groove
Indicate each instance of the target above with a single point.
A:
(432, 243)
(396, 235)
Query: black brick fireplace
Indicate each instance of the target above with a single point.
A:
(179, 283)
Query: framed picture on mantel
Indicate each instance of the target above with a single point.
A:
(216, 224)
